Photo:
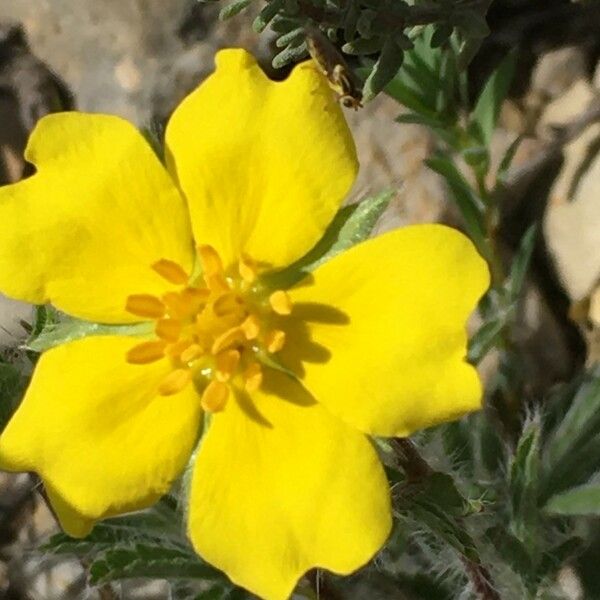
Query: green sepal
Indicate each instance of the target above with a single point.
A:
(69, 329)
(351, 225)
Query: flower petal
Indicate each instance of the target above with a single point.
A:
(384, 333)
(265, 165)
(84, 231)
(98, 434)
(274, 491)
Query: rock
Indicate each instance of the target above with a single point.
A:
(572, 222)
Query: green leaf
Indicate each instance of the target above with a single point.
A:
(289, 37)
(234, 8)
(441, 35)
(472, 24)
(12, 385)
(161, 523)
(293, 53)
(579, 501)
(352, 224)
(70, 329)
(485, 338)
(437, 504)
(384, 70)
(468, 202)
(156, 562)
(507, 159)
(524, 482)
(266, 15)
(487, 109)
(520, 265)
(413, 118)
(580, 425)
(362, 46)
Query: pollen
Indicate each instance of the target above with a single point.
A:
(215, 329)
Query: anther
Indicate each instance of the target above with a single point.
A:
(146, 352)
(227, 303)
(215, 396)
(174, 382)
(280, 302)
(175, 350)
(226, 364)
(210, 260)
(145, 305)
(251, 327)
(171, 271)
(190, 353)
(275, 340)
(247, 270)
(217, 283)
(253, 376)
(233, 336)
(177, 306)
(168, 329)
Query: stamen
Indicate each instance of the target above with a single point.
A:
(175, 350)
(253, 376)
(215, 396)
(174, 382)
(235, 335)
(280, 302)
(190, 353)
(168, 329)
(145, 305)
(227, 303)
(171, 271)
(227, 363)
(247, 270)
(251, 327)
(177, 307)
(217, 283)
(146, 352)
(275, 340)
(210, 260)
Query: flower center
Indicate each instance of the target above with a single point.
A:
(214, 330)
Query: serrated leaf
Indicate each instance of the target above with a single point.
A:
(352, 225)
(579, 501)
(157, 524)
(155, 562)
(487, 109)
(70, 329)
(437, 504)
(233, 9)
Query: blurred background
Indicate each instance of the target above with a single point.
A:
(139, 58)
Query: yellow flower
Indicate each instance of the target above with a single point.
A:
(285, 478)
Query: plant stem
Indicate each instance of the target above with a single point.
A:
(418, 469)
(481, 580)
